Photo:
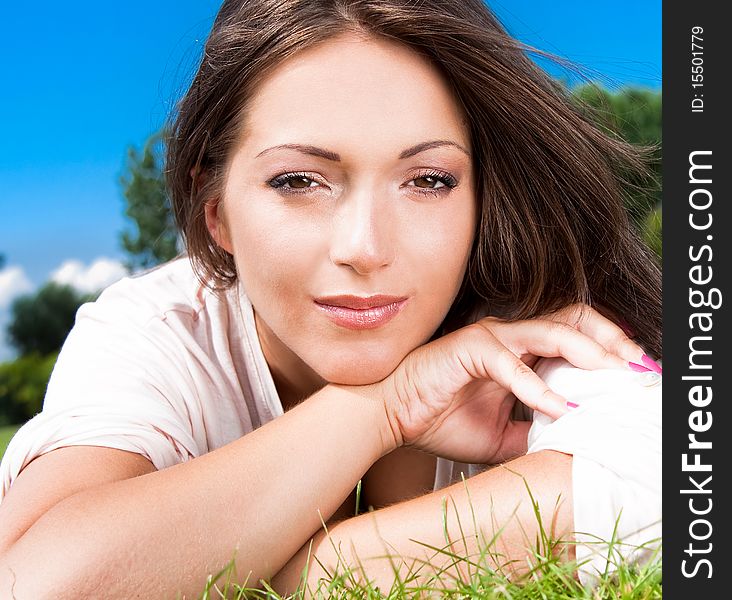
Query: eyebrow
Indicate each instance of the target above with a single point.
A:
(328, 155)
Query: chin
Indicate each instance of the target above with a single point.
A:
(360, 371)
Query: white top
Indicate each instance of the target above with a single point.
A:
(161, 366)
(158, 365)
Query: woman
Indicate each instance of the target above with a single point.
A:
(392, 214)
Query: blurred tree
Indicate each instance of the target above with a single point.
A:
(652, 231)
(634, 114)
(2, 262)
(40, 322)
(22, 387)
(153, 236)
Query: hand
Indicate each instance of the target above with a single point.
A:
(453, 397)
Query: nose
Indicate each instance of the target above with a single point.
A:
(361, 233)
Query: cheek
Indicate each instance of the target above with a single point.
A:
(445, 244)
(265, 248)
(277, 254)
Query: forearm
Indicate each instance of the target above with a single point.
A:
(261, 496)
(500, 503)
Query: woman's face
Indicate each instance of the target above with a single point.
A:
(351, 177)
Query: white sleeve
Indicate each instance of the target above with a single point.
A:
(118, 383)
(614, 437)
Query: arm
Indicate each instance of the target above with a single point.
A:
(58, 474)
(164, 531)
(498, 497)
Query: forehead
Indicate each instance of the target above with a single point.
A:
(354, 89)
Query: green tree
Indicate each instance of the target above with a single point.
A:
(634, 114)
(152, 237)
(23, 385)
(40, 322)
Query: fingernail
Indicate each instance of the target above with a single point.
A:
(639, 368)
(651, 364)
(572, 404)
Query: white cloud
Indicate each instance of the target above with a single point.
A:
(98, 275)
(88, 279)
(13, 283)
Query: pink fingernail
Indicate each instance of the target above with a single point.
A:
(572, 404)
(651, 364)
(639, 368)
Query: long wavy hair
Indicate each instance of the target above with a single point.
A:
(553, 229)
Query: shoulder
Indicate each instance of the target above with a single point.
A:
(168, 300)
(157, 327)
(168, 287)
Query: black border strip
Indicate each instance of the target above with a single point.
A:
(696, 547)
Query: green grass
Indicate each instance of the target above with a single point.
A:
(6, 433)
(549, 578)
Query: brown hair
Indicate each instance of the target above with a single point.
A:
(553, 229)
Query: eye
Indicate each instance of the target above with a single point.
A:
(293, 182)
(433, 181)
(428, 182)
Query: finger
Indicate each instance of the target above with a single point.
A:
(555, 338)
(589, 321)
(489, 358)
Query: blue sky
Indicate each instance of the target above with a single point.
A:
(84, 80)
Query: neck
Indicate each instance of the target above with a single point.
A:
(294, 379)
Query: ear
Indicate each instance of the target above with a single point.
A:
(216, 224)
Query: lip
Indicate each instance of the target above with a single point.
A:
(356, 312)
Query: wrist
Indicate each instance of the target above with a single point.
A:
(376, 398)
